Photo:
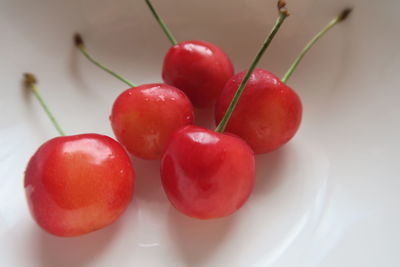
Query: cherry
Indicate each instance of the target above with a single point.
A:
(198, 68)
(208, 174)
(77, 184)
(144, 117)
(269, 113)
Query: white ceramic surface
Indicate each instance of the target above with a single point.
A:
(334, 197)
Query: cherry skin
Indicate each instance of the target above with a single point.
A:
(144, 118)
(206, 174)
(268, 113)
(198, 68)
(78, 184)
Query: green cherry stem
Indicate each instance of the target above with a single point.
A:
(30, 82)
(81, 46)
(283, 14)
(161, 22)
(343, 15)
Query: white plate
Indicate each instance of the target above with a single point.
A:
(334, 200)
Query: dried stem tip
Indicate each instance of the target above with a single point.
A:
(29, 79)
(345, 13)
(78, 40)
(281, 4)
(282, 7)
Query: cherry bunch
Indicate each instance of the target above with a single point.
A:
(80, 183)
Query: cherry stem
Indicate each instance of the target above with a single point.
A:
(162, 23)
(30, 82)
(81, 46)
(283, 14)
(343, 15)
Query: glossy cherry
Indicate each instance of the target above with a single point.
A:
(206, 174)
(269, 112)
(77, 184)
(198, 68)
(144, 118)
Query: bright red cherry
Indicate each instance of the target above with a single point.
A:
(206, 174)
(145, 117)
(198, 68)
(78, 184)
(268, 113)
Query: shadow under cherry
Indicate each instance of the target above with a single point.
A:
(197, 240)
(148, 186)
(74, 251)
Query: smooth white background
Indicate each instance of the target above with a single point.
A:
(329, 198)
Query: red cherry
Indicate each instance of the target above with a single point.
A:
(268, 113)
(144, 118)
(206, 174)
(198, 68)
(78, 184)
